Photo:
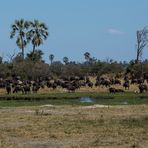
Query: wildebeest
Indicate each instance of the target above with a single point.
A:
(115, 81)
(90, 84)
(142, 88)
(97, 83)
(8, 89)
(71, 88)
(146, 76)
(18, 88)
(26, 89)
(105, 83)
(114, 90)
(126, 85)
(35, 88)
(137, 81)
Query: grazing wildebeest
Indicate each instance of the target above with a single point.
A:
(54, 86)
(82, 78)
(26, 89)
(134, 81)
(145, 76)
(112, 90)
(126, 78)
(90, 84)
(126, 85)
(105, 83)
(71, 88)
(8, 89)
(87, 80)
(97, 83)
(137, 81)
(18, 88)
(115, 81)
(142, 88)
(49, 84)
(35, 88)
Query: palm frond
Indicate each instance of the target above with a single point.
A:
(26, 24)
(12, 34)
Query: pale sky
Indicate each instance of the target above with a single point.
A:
(105, 28)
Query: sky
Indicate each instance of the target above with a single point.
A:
(104, 28)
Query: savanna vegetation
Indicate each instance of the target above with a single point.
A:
(31, 65)
(27, 71)
(41, 102)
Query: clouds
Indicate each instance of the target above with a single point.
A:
(115, 31)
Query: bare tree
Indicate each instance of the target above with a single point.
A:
(142, 40)
(11, 56)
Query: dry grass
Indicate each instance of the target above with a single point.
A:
(74, 127)
(2, 91)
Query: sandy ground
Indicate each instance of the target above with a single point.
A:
(50, 126)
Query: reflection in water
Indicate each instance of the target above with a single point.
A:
(87, 100)
(124, 103)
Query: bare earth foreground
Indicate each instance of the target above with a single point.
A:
(51, 126)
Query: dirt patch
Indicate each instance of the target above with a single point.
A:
(96, 106)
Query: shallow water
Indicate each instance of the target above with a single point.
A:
(124, 103)
(121, 103)
(87, 100)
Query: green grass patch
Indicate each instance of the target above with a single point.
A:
(72, 99)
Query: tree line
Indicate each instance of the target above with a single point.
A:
(33, 66)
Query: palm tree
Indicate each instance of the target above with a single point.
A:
(19, 29)
(1, 60)
(87, 56)
(51, 57)
(65, 60)
(37, 33)
(36, 56)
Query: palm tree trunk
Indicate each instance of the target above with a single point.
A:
(33, 49)
(22, 47)
(23, 53)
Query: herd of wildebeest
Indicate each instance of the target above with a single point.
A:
(73, 83)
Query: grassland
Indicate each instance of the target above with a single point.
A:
(69, 126)
(61, 120)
